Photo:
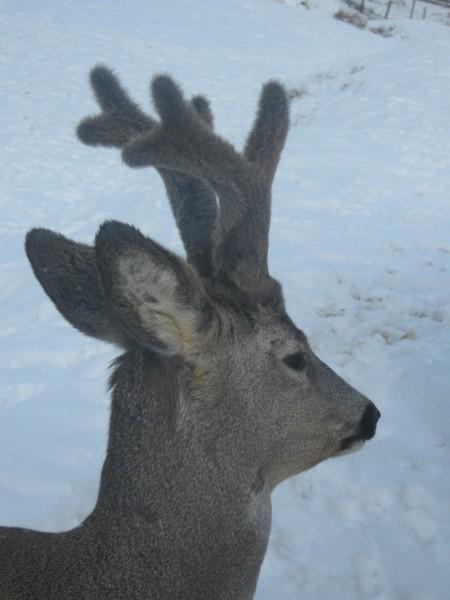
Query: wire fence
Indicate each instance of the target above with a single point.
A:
(418, 8)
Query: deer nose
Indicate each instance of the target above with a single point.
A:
(368, 422)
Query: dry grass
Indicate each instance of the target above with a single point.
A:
(384, 31)
(353, 18)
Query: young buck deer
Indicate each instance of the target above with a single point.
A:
(218, 396)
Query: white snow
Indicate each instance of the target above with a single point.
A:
(360, 238)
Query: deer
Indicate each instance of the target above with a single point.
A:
(217, 397)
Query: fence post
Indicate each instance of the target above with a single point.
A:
(386, 15)
(413, 6)
(424, 15)
(361, 6)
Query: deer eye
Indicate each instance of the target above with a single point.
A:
(296, 361)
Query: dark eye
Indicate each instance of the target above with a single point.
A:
(296, 361)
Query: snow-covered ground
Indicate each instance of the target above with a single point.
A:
(360, 238)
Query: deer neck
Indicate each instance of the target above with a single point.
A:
(172, 497)
(151, 460)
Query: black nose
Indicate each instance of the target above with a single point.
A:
(368, 423)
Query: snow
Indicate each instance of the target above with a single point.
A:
(360, 238)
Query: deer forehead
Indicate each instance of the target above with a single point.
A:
(270, 336)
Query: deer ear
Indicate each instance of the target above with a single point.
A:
(158, 298)
(68, 273)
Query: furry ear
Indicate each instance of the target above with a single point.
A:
(68, 273)
(158, 298)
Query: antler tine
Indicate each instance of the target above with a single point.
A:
(182, 143)
(121, 118)
(193, 203)
(203, 109)
(268, 135)
(250, 237)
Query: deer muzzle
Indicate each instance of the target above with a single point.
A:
(366, 429)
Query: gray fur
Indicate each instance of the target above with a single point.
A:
(218, 397)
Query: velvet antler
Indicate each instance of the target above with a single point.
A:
(193, 204)
(229, 241)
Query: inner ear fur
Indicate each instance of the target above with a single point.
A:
(68, 273)
(157, 296)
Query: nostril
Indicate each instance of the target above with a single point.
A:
(368, 423)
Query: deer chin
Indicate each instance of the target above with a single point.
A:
(350, 445)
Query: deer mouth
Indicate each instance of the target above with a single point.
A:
(350, 444)
(367, 428)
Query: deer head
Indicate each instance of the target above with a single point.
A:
(251, 384)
